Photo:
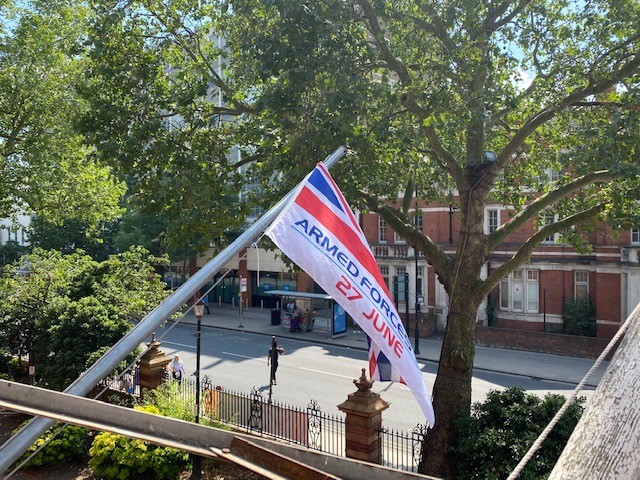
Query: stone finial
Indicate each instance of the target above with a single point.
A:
(363, 383)
(154, 344)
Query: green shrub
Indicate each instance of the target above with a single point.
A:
(172, 401)
(69, 444)
(501, 430)
(114, 457)
(577, 317)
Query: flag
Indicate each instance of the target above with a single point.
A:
(320, 233)
(380, 368)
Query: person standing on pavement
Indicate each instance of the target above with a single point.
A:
(272, 359)
(177, 369)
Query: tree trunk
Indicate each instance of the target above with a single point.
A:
(452, 390)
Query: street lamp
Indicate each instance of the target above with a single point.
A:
(415, 320)
(198, 310)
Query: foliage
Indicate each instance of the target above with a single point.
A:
(135, 99)
(170, 400)
(418, 90)
(70, 306)
(11, 368)
(501, 430)
(46, 166)
(69, 235)
(121, 458)
(10, 252)
(578, 317)
(70, 443)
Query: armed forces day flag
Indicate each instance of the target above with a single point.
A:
(319, 232)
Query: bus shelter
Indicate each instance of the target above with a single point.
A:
(321, 311)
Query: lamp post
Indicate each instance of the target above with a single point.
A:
(198, 310)
(415, 320)
(243, 288)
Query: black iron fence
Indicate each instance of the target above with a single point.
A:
(308, 426)
(402, 450)
(126, 382)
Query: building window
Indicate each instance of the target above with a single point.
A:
(417, 221)
(382, 230)
(419, 276)
(550, 220)
(519, 292)
(384, 270)
(581, 284)
(492, 219)
(401, 286)
(554, 175)
(635, 236)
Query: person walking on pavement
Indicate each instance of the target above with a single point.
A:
(205, 300)
(272, 359)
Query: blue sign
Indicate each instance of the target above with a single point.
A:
(285, 287)
(339, 324)
(266, 286)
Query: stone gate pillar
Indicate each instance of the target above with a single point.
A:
(364, 416)
(152, 365)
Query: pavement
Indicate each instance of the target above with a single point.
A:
(541, 366)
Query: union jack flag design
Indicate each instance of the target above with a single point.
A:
(320, 233)
(380, 368)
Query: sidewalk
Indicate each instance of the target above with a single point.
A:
(517, 362)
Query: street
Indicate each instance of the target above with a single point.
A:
(324, 373)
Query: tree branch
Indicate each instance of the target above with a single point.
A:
(401, 224)
(199, 57)
(377, 33)
(523, 254)
(542, 202)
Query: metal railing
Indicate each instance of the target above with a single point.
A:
(127, 382)
(308, 426)
(402, 450)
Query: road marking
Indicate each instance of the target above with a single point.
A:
(179, 344)
(238, 355)
(325, 373)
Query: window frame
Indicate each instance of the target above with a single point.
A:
(580, 282)
(528, 280)
(382, 230)
(489, 228)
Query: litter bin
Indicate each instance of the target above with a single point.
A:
(275, 316)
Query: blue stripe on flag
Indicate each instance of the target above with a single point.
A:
(317, 180)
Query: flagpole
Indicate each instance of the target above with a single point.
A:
(18, 443)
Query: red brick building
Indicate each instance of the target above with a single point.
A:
(532, 297)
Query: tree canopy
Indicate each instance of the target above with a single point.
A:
(62, 309)
(420, 91)
(45, 166)
(473, 101)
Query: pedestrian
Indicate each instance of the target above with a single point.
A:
(177, 369)
(272, 359)
(297, 319)
(127, 380)
(205, 300)
(304, 321)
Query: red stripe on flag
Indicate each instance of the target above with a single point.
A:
(316, 208)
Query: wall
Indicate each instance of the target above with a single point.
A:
(570, 345)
